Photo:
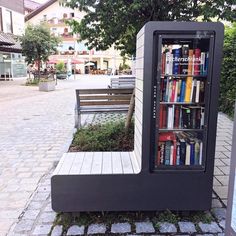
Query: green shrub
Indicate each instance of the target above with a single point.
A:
(104, 137)
(228, 73)
(60, 67)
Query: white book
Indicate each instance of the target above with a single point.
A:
(200, 154)
(198, 91)
(167, 65)
(202, 116)
(187, 159)
(191, 94)
(171, 64)
(170, 90)
(169, 117)
(203, 55)
(173, 117)
(171, 155)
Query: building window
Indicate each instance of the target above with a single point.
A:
(45, 17)
(72, 14)
(8, 20)
(64, 15)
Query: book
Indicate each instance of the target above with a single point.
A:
(161, 116)
(167, 152)
(197, 152)
(182, 91)
(192, 152)
(176, 117)
(197, 91)
(187, 158)
(202, 66)
(162, 153)
(173, 91)
(167, 63)
(200, 154)
(197, 61)
(164, 117)
(163, 62)
(194, 88)
(176, 60)
(171, 64)
(201, 91)
(184, 61)
(178, 153)
(206, 63)
(188, 89)
(171, 154)
(182, 151)
(186, 117)
(190, 62)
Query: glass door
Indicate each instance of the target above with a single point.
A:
(182, 96)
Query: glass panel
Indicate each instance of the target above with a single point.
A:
(181, 102)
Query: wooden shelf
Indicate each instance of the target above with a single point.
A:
(182, 76)
(168, 130)
(183, 103)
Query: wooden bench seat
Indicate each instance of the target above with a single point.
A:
(122, 82)
(97, 163)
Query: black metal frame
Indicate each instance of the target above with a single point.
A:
(163, 189)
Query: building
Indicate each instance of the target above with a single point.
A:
(70, 50)
(12, 63)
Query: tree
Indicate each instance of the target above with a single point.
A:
(38, 44)
(109, 22)
(228, 73)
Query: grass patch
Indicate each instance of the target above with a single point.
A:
(104, 137)
(32, 82)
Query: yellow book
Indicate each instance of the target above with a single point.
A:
(190, 62)
(188, 89)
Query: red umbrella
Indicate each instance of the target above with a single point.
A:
(75, 61)
(52, 61)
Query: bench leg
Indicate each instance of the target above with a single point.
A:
(79, 120)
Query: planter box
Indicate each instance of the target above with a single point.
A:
(61, 76)
(47, 85)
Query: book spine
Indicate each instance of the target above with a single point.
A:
(162, 154)
(182, 92)
(164, 117)
(185, 58)
(171, 64)
(197, 152)
(161, 116)
(190, 62)
(200, 154)
(197, 91)
(173, 91)
(167, 152)
(176, 117)
(187, 160)
(182, 152)
(192, 153)
(206, 63)
(188, 89)
(163, 63)
(176, 59)
(167, 89)
(167, 63)
(202, 117)
(179, 90)
(193, 99)
(202, 62)
(174, 152)
(171, 155)
(176, 91)
(197, 61)
(178, 153)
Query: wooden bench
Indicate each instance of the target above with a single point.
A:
(122, 82)
(90, 101)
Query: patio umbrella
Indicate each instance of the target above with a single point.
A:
(90, 64)
(52, 61)
(75, 61)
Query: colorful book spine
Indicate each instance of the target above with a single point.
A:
(176, 60)
(190, 62)
(192, 153)
(187, 158)
(167, 152)
(206, 63)
(163, 63)
(167, 63)
(182, 91)
(197, 61)
(188, 89)
(185, 59)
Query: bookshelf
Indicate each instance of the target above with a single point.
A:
(181, 88)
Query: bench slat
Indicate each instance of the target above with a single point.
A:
(126, 163)
(104, 91)
(97, 163)
(57, 170)
(107, 97)
(77, 164)
(103, 103)
(107, 163)
(134, 161)
(67, 164)
(87, 163)
(116, 163)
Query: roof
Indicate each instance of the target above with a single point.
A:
(9, 43)
(39, 9)
(31, 5)
(6, 39)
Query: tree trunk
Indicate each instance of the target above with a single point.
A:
(130, 112)
(39, 69)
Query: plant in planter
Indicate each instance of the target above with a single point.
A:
(61, 71)
(47, 83)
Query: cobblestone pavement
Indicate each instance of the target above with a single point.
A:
(38, 145)
(35, 129)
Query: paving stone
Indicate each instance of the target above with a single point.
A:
(31, 214)
(24, 225)
(144, 227)
(97, 229)
(221, 234)
(222, 191)
(48, 217)
(210, 228)
(121, 228)
(187, 227)
(166, 227)
(222, 224)
(75, 230)
(42, 229)
(57, 230)
(219, 213)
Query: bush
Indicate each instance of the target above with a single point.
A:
(60, 67)
(104, 137)
(228, 73)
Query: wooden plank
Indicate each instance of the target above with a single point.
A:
(134, 162)
(87, 163)
(77, 164)
(102, 103)
(97, 163)
(104, 91)
(107, 163)
(67, 164)
(90, 111)
(116, 163)
(126, 163)
(107, 97)
(59, 165)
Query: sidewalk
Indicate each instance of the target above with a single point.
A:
(35, 129)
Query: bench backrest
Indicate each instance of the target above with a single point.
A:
(123, 82)
(103, 97)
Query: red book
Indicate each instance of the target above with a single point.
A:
(197, 61)
(161, 117)
(164, 117)
(176, 117)
(172, 99)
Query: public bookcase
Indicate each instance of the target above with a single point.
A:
(176, 99)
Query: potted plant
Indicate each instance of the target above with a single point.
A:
(47, 83)
(61, 71)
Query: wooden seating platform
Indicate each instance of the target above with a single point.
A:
(97, 163)
(122, 82)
